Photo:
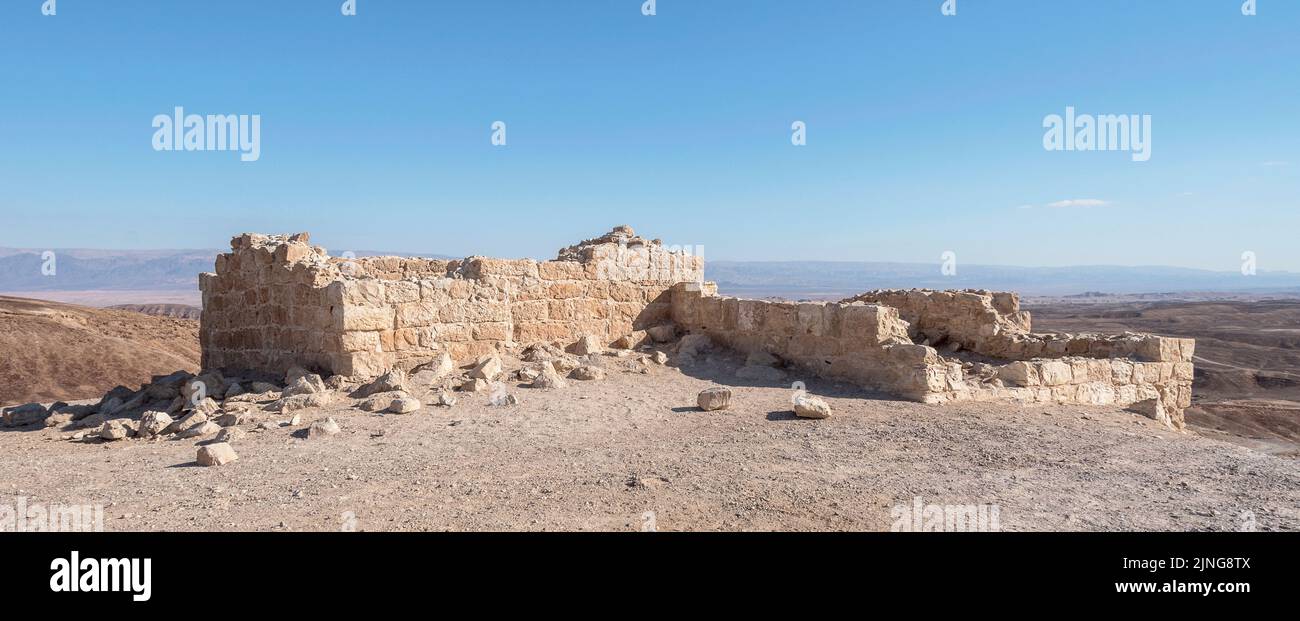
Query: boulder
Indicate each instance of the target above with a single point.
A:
(205, 428)
(587, 373)
(322, 429)
(716, 398)
(548, 379)
(230, 434)
(382, 402)
(303, 402)
(445, 398)
(586, 345)
(631, 341)
(217, 454)
(114, 430)
(662, 333)
(153, 423)
(391, 381)
(193, 419)
(474, 385)
(308, 384)
(404, 405)
(489, 368)
(811, 407)
(26, 414)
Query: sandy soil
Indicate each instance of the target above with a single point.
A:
(608, 454)
(50, 350)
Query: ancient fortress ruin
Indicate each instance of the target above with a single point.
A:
(276, 302)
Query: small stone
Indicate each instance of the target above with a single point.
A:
(218, 454)
(445, 398)
(717, 398)
(391, 381)
(811, 407)
(549, 379)
(659, 357)
(113, 430)
(474, 385)
(304, 385)
(153, 423)
(322, 429)
(296, 420)
(230, 434)
(404, 405)
(204, 429)
(662, 333)
(489, 368)
(294, 403)
(586, 345)
(588, 372)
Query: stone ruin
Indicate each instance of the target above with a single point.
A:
(275, 302)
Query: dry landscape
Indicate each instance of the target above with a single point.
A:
(608, 432)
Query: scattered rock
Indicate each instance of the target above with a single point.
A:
(541, 352)
(404, 405)
(659, 358)
(295, 420)
(587, 345)
(383, 401)
(193, 419)
(230, 434)
(303, 402)
(308, 384)
(114, 430)
(322, 429)
(445, 398)
(631, 341)
(153, 423)
(58, 420)
(549, 379)
(489, 368)
(811, 407)
(203, 429)
(588, 372)
(474, 385)
(208, 407)
(694, 344)
(716, 398)
(234, 391)
(391, 381)
(26, 414)
(217, 454)
(265, 387)
(662, 333)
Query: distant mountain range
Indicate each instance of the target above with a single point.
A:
(177, 271)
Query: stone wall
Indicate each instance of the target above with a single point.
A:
(275, 302)
(973, 345)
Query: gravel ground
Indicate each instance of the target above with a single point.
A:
(631, 452)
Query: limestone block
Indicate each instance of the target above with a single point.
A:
(1054, 373)
(363, 318)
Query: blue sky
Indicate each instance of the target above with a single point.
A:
(924, 131)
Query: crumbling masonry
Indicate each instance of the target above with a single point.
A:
(275, 302)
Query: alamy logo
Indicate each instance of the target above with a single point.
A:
(215, 132)
(25, 517)
(1104, 132)
(922, 517)
(100, 575)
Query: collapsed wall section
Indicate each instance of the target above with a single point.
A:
(275, 302)
(974, 345)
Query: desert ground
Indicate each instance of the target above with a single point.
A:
(1247, 386)
(631, 451)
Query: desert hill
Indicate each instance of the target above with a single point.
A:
(52, 351)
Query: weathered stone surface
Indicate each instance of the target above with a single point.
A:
(26, 414)
(305, 384)
(404, 405)
(548, 379)
(663, 333)
(588, 372)
(586, 345)
(811, 407)
(322, 429)
(230, 434)
(217, 454)
(114, 430)
(717, 398)
(153, 423)
(303, 402)
(200, 430)
(393, 380)
(489, 368)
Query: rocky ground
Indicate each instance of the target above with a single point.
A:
(626, 451)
